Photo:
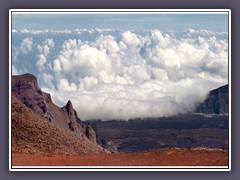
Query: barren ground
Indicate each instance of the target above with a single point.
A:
(164, 157)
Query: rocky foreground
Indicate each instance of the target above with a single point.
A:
(32, 134)
(164, 157)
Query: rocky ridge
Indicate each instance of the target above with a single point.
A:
(25, 87)
(38, 122)
(216, 102)
(32, 134)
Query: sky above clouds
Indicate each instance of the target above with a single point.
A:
(165, 22)
(123, 66)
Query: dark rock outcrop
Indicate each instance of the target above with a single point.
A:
(216, 102)
(26, 89)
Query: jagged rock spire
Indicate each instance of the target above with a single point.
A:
(70, 110)
(69, 105)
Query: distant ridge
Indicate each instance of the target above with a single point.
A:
(216, 102)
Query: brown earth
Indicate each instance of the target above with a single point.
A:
(32, 134)
(164, 157)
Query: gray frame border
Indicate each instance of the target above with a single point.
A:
(121, 11)
(5, 5)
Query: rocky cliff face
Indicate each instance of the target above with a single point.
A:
(35, 135)
(26, 89)
(216, 102)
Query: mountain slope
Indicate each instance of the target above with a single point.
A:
(25, 87)
(216, 102)
(34, 134)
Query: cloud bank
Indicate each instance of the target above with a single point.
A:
(112, 74)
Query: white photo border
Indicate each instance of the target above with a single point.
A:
(119, 11)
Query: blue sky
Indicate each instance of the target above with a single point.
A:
(164, 22)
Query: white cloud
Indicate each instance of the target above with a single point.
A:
(36, 32)
(44, 51)
(159, 74)
(24, 31)
(87, 83)
(26, 45)
(65, 31)
(138, 73)
(57, 66)
(81, 59)
(48, 80)
(64, 85)
(130, 38)
(45, 48)
(113, 74)
(108, 44)
(216, 66)
(15, 53)
(152, 98)
(157, 36)
(41, 60)
(14, 71)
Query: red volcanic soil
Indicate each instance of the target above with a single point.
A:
(164, 157)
